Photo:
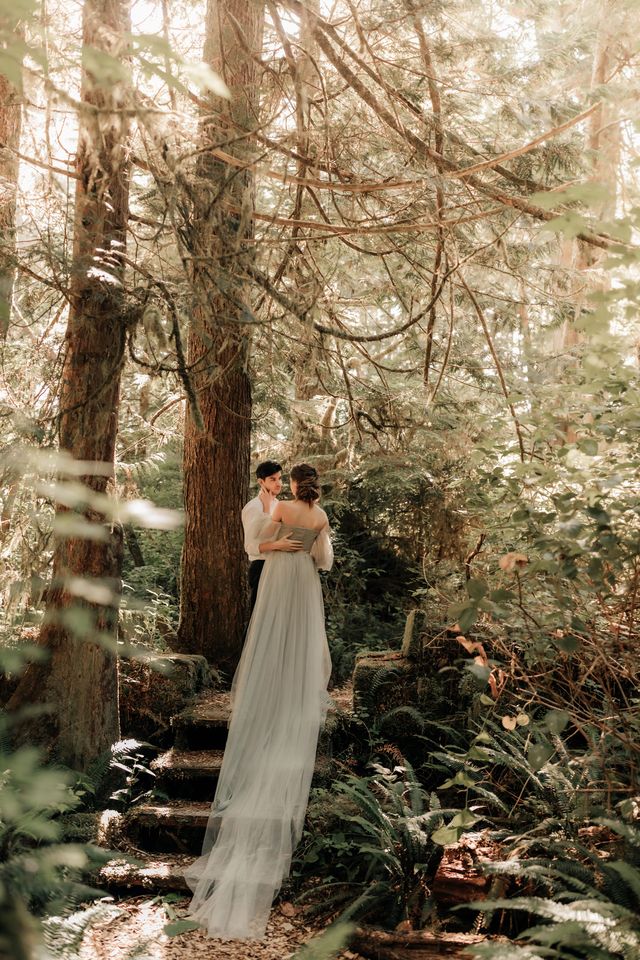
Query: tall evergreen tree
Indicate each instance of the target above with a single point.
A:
(220, 244)
(79, 679)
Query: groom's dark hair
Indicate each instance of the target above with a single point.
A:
(267, 469)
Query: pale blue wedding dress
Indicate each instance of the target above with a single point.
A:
(279, 702)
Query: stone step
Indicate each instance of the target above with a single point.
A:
(453, 885)
(203, 724)
(178, 825)
(155, 686)
(154, 873)
(187, 773)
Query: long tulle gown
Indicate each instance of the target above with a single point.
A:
(279, 702)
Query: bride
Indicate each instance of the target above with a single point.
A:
(279, 701)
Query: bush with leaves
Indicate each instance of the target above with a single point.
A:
(40, 877)
(373, 846)
(527, 777)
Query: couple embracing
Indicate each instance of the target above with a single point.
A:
(306, 490)
(279, 701)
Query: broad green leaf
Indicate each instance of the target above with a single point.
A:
(206, 79)
(104, 69)
(589, 193)
(461, 779)
(468, 617)
(568, 224)
(588, 446)
(556, 720)
(464, 819)
(176, 927)
(538, 754)
(446, 835)
(476, 589)
(479, 670)
(11, 66)
(328, 944)
(567, 643)
(500, 595)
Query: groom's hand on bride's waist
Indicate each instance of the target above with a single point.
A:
(285, 544)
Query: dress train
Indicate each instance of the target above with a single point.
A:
(279, 702)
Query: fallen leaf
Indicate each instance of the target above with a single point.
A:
(510, 561)
(288, 910)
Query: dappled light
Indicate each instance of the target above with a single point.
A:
(319, 480)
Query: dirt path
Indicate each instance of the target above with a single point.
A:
(138, 923)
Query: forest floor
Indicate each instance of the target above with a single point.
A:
(135, 931)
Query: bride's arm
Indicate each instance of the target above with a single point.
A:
(322, 550)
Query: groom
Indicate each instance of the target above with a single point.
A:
(254, 514)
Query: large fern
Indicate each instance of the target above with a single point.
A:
(592, 906)
(376, 853)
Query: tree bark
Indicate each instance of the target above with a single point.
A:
(220, 246)
(10, 129)
(79, 679)
(602, 143)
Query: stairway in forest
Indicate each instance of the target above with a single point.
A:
(165, 835)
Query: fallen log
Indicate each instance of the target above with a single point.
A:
(414, 945)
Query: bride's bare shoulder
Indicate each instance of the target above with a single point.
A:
(281, 511)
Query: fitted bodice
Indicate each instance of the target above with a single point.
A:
(305, 534)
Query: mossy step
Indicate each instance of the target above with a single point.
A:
(179, 824)
(382, 680)
(156, 686)
(188, 773)
(456, 882)
(157, 873)
(176, 826)
(204, 723)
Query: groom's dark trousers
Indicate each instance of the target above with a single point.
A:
(255, 569)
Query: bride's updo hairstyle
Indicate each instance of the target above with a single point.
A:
(306, 477)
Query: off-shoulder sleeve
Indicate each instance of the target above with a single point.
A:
(322, 550)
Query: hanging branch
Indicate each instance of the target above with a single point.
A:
(436, 105)
(447, 351)
(496, 360)
(424, 150)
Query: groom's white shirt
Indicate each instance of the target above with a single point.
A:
(253, 519)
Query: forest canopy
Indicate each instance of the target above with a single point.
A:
(398, 240)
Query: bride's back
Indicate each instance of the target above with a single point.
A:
(296, 513)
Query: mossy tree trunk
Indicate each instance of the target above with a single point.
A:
(79, 678)
(220, 247)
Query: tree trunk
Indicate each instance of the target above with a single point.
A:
(217, 451)
(10, 128)
(602, 142)
(79, 679)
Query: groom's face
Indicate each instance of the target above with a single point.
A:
(272, 484)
